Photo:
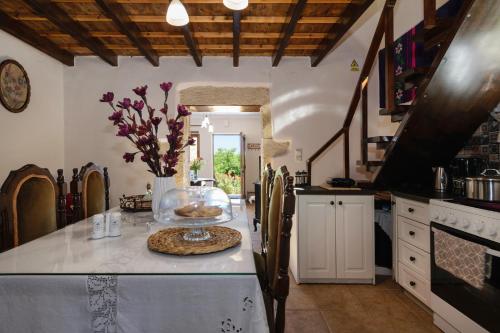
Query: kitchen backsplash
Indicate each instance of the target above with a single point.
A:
(485, 142)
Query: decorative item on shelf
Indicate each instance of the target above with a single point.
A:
(195, 166)
(136, 203)
(177, 14)
(253, 146)
(15, 89)
(195, 208)
(301, 178)
(139, 123)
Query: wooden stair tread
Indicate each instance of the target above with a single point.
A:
(399, 109)
(370, 163)
(379, 139)
(382, 141)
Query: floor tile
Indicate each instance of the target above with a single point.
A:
(305, 321)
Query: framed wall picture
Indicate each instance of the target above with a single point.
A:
(15, 87)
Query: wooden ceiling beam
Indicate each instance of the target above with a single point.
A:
(121, 19)
(31, 37)
(204, 47)
(350, 16)
(161, 34)
(62, 20)
(193, 19)
(236, 37)
(289, 28)
(191, 44)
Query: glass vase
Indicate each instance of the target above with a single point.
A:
(161, 186)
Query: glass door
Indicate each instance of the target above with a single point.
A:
(227, 163)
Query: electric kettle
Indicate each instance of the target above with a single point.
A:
(440, 180)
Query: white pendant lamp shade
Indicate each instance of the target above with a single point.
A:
(210, 128)
(205, 122)
(177, 14)
(236, 4)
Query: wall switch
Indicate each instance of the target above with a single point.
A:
(298, 155)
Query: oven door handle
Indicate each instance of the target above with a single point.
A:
(492, 252)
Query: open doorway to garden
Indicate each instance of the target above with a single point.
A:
(229, 163)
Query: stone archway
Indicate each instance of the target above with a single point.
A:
(241, 96)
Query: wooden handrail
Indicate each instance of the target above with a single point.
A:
(363, 76)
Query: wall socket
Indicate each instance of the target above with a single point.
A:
(298, 155)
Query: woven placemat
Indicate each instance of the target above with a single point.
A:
(171, 241)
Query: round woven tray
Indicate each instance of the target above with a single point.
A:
(171, 241)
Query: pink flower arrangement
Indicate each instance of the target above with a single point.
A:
(142, 130)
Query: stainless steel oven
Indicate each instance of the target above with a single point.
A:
(465, 273)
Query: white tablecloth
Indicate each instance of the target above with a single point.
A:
(65, 282)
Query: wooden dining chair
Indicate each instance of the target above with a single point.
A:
(275, 284)
(266, 186)
(32, 205)
(94, 193)
(259, 258)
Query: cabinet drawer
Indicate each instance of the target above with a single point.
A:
(414, 210)
(415, 284)
(415, 233)
(415, 258)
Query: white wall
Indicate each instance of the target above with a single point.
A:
(308, 105)
(35, 135)
(248, 124)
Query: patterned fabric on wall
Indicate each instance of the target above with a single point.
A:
(409, 53)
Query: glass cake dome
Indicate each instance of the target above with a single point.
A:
(195, 207)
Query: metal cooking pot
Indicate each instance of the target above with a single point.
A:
(485, 187)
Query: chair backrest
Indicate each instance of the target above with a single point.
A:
(94, 189)
(30, 206)
(265, 192)
(281, 210)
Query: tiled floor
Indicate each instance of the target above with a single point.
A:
(324, 308)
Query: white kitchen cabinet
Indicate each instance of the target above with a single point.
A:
(412, 243)
(334, 239)
(317, 236)
(354, 223)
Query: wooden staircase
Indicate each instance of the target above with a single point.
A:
(446, 111)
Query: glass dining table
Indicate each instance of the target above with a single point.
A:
(68, 282)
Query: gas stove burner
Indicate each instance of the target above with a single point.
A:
(493, 206)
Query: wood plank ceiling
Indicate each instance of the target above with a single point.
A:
(111, 28)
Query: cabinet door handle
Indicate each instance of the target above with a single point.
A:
(332, 203)
(340, 203)
(412, 259)
(413, 283)
(411, 210)
(412, 233)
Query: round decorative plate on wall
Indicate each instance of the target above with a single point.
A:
(15, 87)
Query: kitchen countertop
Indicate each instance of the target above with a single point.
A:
(423, 196)
(317, 190)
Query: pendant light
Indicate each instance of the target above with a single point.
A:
(236, 4)
(210, 128)
(177, 14)
(205, 123)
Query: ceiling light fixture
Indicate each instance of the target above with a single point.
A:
(177, 14)
(205, 122)
(210, 128)
(236, 4)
